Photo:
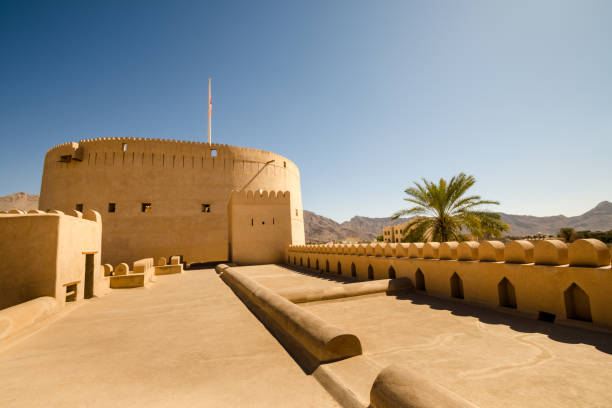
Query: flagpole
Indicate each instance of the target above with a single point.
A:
(209, 111)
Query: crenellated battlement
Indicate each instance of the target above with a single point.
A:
(582, 252)
(260, 197)
(547, 279)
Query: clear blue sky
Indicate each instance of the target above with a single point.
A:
(365, 96)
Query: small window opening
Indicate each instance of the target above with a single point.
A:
(419, 280)
(546, 317)
(213, 153)
(124, 147)
(577, 304)
(71, 293)
(251, 222)
(456, 286)
(285, 164)
(79, 207)
(263, 223)
(296, 212)
(272, 220)
(145, 207)
(205, 208)
(112, 207)
(507, 297)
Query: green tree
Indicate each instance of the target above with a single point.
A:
(379, 238)
(568, 234)
(442, 211)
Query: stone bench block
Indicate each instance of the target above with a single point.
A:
(520, 251)
(588, 252)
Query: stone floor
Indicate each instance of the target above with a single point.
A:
(490, 358)
(187, 341)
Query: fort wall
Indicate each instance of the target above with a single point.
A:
(262, 225)
(49, 254)
(185, 187)
(567, 283)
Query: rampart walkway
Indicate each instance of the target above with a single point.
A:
(188, 341)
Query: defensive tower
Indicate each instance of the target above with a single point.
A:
(164, 197)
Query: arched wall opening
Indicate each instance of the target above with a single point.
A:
(507, 296)
(370, 272)
(339, 268)
(577, 304)
(392, 274)
(327, 266)
(353, 270)
(317, 265)
(456, 285)
(419, 280)
(308, 263)
(301, 261)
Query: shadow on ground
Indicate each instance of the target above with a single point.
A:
(601, 341)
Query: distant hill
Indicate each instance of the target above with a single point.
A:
(597, 219)
(322, 229)
(19, 201)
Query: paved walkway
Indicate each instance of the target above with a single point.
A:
(490, 358)
(186, 342)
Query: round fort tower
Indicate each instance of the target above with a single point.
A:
(163, 197)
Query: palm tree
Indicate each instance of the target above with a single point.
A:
(443, 211)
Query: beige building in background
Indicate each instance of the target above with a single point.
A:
(160, 198)
(394, 233)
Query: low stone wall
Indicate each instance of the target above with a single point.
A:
(397, 387)
(319, 339)
(168, 269)
(549, 279)
(132, 280)
(19, 317)
(303, 295)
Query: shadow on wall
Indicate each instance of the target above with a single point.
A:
(560, 333)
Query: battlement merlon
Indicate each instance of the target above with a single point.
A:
(77, 151)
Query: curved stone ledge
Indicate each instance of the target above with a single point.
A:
(122, 269)
(416, 250)
(468, 251)
(390, 250)
(303, 295)
(431, 250)
(520, 252)
(550, 252)
(320, 339)
(491, 251)
(16, 318)
(402, 250)
(398, 387)
(588, 252)
(448, 250)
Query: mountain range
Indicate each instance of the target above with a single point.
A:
(322, 229)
